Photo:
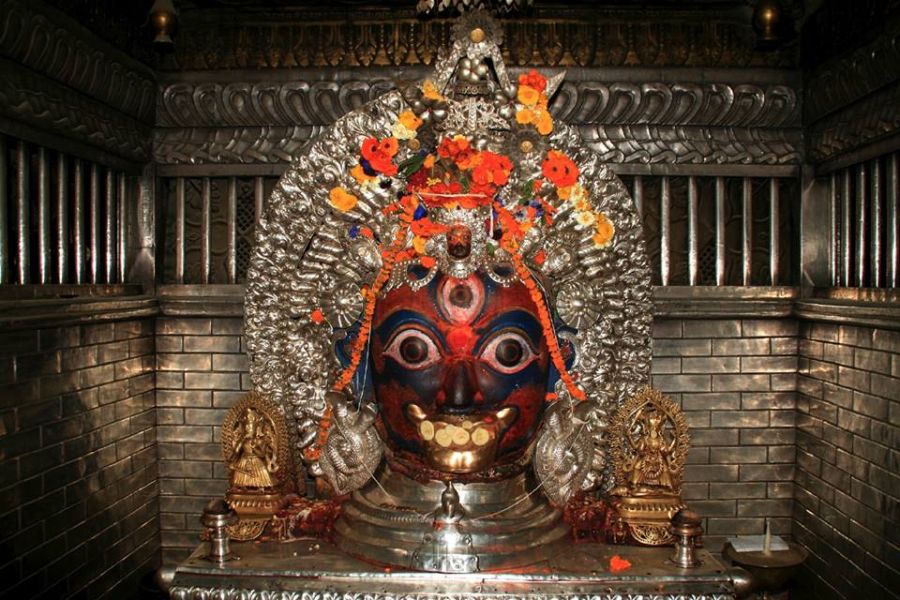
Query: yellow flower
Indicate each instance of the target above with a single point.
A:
(430, 92)
(579, 195)
(604, 231)
(564, 192)
(419, 244)
(528, 96)
(342, 200)
(409, 120)
(429, 161)
(544, 123)
(525, 116)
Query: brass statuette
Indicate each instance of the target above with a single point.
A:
(649, 446)
(255, 445)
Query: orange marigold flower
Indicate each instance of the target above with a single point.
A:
(540, 258)
(427, 261)
(458, 150)
(544, 123)
(617, 564)
(317, 316)
(360, 175)
(425, 228)
(605, 230)
(342, 200)
(492, 168)
(430, 91)
(559, 169)
(428, 162)
(533, 79)
(409, 120)
(527, 95)
(525, 116)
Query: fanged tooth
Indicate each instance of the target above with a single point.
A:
(480, 437)
(460, 436)
(443, 437)
(415, 412)
(505, 416)
(426, 429)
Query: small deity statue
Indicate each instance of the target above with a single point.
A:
(255, 464)
(649, 446)
(651, 469)
(254, 442)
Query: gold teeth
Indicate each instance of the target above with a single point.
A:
(447, 434)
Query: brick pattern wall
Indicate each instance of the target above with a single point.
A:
(201, 372)
(736, 382)
(78, 473)
(848, 460)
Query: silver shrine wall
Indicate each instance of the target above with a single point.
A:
(111, 395)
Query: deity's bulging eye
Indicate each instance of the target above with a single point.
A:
(508, 352)
(413, 349)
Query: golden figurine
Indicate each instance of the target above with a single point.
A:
(255, 444)
(649, 444)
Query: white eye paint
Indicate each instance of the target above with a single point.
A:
(508, 352)
(413, 349)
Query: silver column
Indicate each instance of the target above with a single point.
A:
(638, 196)
(179, 230)
(231, 218)
(23, 175)
(62, 218)
(122, 226)
(43, 216)
(664, 231)
(875, 225)
(774, 227)
(258, 199)
(846, 224)
(4, 211)
(693, 233)
(892, 276)
(94, 225)
(78, 220)
(206, 197)
(746, 230)
(860, 225)
(110, 232)
(720, 231)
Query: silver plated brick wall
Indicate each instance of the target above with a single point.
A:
(78, 471)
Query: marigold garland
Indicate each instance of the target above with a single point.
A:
(314, 451)
(547, 324)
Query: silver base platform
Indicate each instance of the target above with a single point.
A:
(315, 570)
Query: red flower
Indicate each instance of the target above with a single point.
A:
(417, 180)
(458, 150)
(617, 564)
(491, 168)
(380, 153)
(533, 79)
(317, 317)
(559, 169)
(426, 227)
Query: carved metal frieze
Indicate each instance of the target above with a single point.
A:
(870, 120)
(582, 37)
(42, 103)
(313, 102)
(37, 40)
(626, 122)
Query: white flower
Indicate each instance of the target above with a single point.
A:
(402, 132)
(584, 219)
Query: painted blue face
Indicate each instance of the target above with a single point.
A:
(460, 370)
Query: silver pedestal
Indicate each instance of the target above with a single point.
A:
(315, 570)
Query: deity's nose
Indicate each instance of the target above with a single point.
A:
(460, 391)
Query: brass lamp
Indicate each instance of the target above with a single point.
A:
(770, 23)
(164, 18)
